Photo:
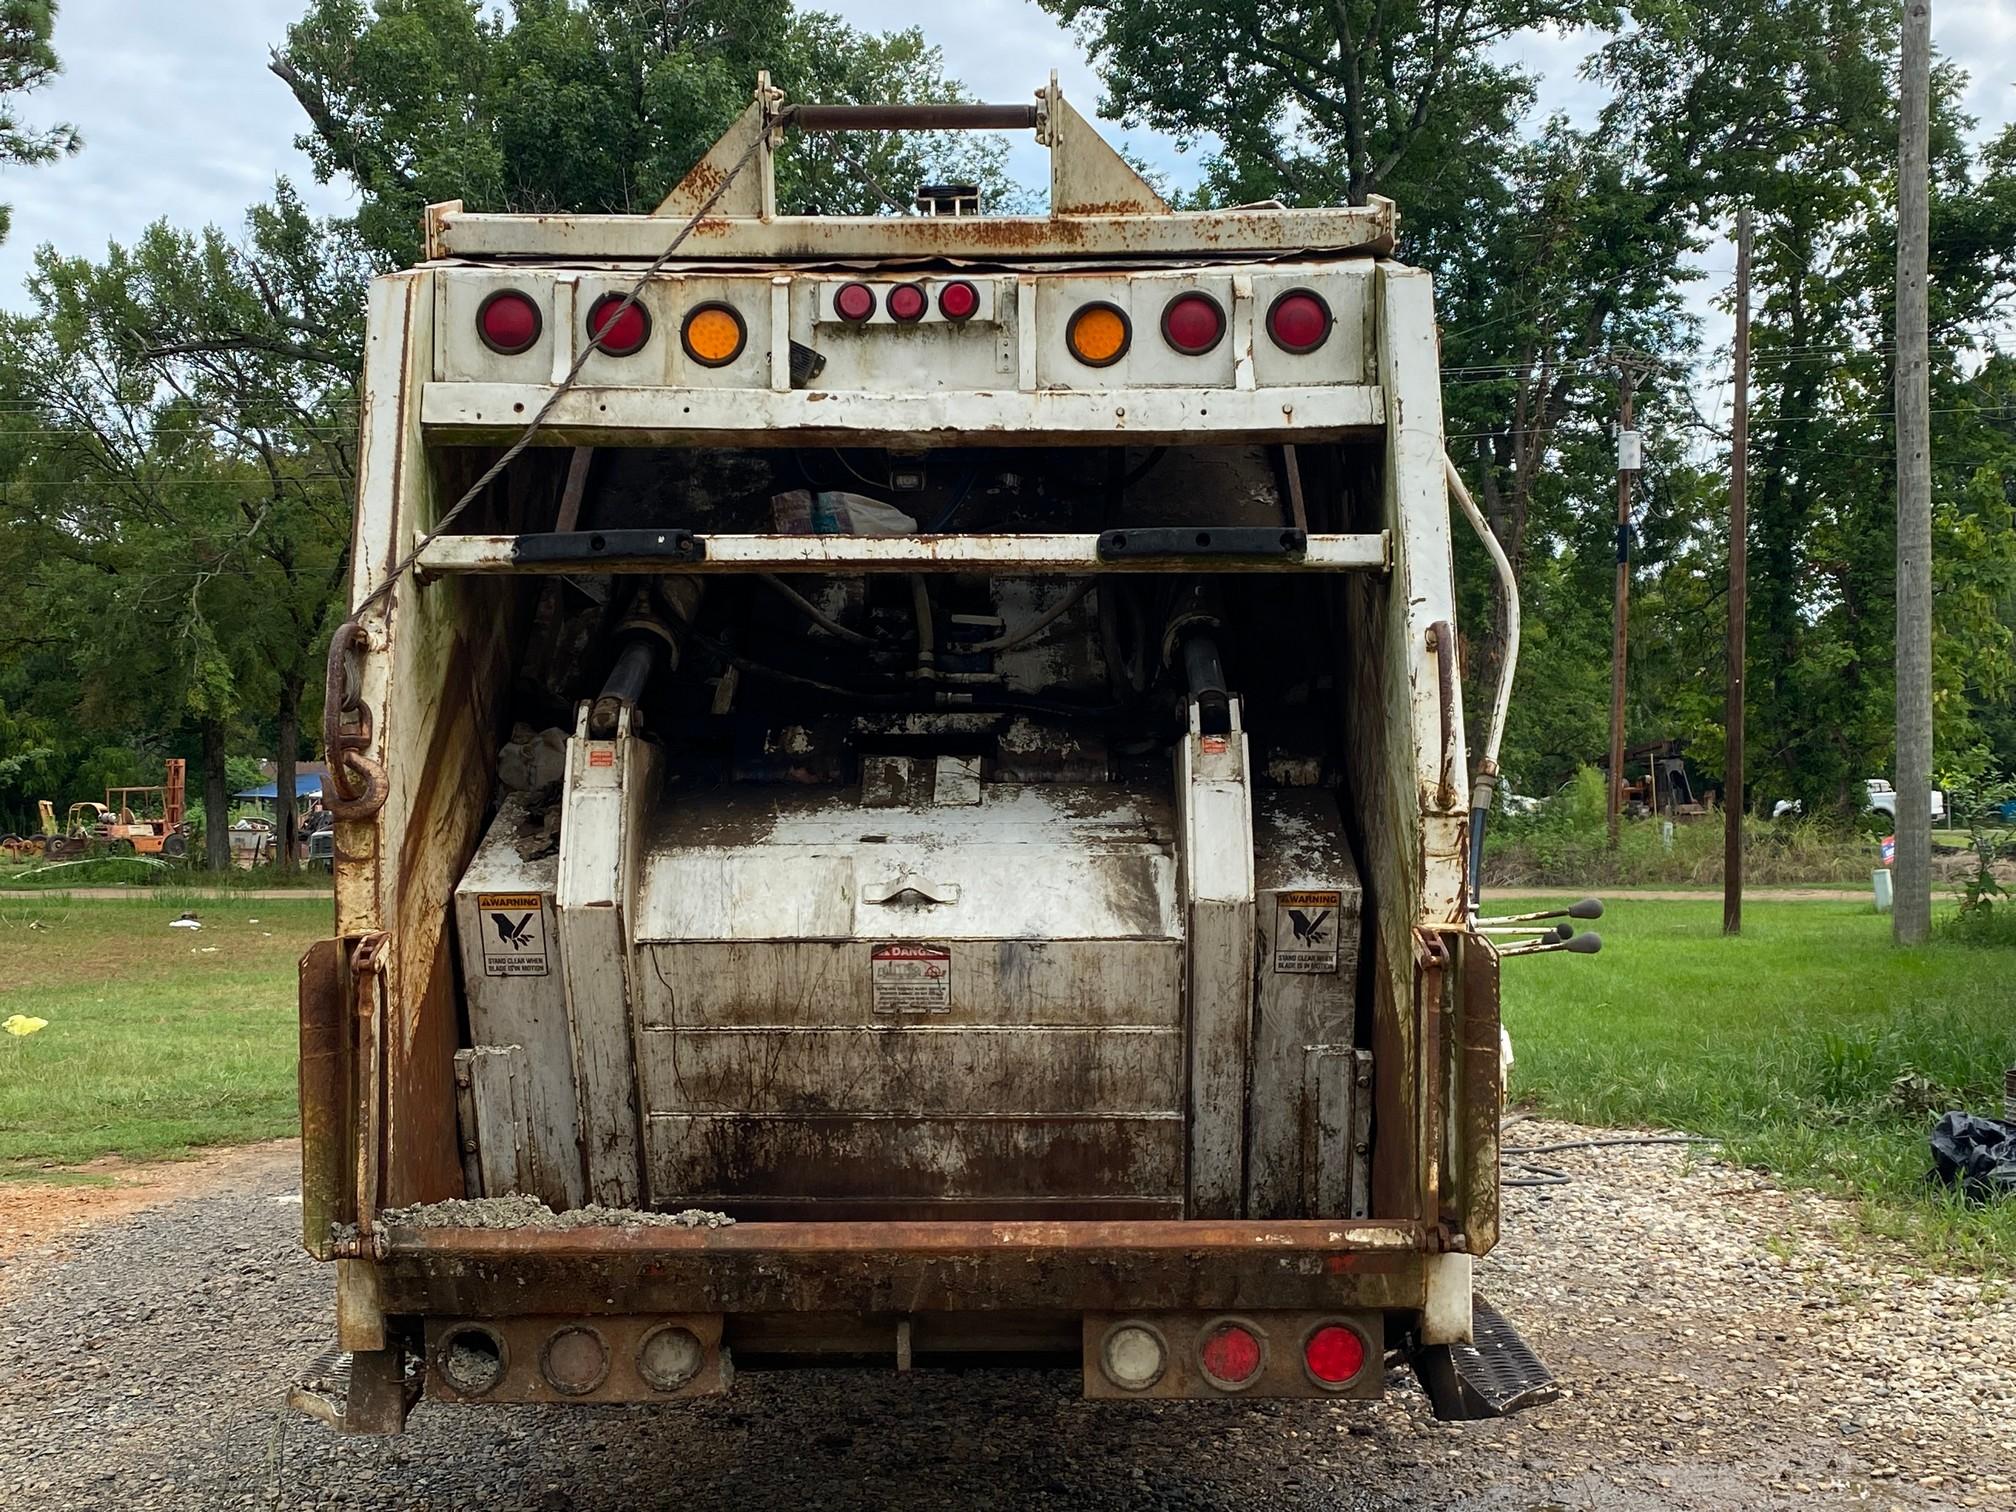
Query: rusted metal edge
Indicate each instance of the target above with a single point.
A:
(927, 1238)
(906, 1268)
(1207, 233)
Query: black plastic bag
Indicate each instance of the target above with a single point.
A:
(1976, 1154)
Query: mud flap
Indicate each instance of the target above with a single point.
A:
(367, 1393)
(1496, 1375)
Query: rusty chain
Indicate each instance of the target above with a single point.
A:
(357, 782)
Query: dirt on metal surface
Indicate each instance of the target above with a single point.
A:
(531, 1213)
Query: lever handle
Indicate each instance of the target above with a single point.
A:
(905, 889)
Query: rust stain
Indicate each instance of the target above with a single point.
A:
(703, 179)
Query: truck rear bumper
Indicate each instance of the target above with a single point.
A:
(907, 1268)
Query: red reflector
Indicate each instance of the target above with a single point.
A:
(1231, 1355)
(1299, 321)
(906, 302)
(958, 301)
(1193, 323)
(855, 302)
(623, 333)
(508, 322)
(1334, 1354)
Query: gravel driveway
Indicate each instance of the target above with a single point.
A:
(1718, 1350)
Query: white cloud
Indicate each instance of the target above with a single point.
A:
(180, 120)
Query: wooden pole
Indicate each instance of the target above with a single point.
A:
(1911, 918)
(1739, 597)
(1620, 635)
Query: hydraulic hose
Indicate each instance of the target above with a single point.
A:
(1484, 787)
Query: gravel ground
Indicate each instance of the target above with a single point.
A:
(1717, 1348)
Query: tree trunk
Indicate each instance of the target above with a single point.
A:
(216, 799)
(284, 816)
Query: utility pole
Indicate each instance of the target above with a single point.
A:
(1911, 917)
(1739, 597)
(1627, 463)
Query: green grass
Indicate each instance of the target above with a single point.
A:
(141, 872)
(159, 1040)
(1810, 1045)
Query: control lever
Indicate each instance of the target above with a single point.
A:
(1560, 931)
(1587, 943)
(1585, 908)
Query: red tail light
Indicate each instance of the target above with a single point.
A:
(1193, 323)
(907, 303)
(855, 302)
(1299, 321)
(1232, 1354)
(621, 333)
(1333, 1355)
(958, 301)
(508, 322)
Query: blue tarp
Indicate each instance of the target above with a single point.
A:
(306, 785)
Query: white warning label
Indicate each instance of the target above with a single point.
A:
(1305, 931)
(514, 934)
(911, 978)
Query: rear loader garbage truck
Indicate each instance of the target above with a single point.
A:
(901, 799)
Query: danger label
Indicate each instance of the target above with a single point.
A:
(514, 934)
(911, 978)
(1305, 931)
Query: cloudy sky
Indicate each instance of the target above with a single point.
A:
(181, 119)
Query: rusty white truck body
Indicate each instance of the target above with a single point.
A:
(894, 831)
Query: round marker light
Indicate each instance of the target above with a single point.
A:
(669, 1357)
(1299, 321)
(854, 302)
(907, 303)
(1099, 334)
(1333, 1355)
(714, 334)
(1133, 1356)
(958, 301)
(508, 322)
(1193, 323)
(1231, 1354)
(621, 331)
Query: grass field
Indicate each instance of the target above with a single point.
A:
(159, 1039)
(146, 872)
(1788, 1043)
(1809, 1044)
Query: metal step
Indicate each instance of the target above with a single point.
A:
(386, 1392)
(1495, 1375)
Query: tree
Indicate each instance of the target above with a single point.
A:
(181, 403)
(591, 105)
(27, 62)
(1331, 101)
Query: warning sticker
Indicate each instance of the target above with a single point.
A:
(1305, 931)
(514, 934)
(911, 978)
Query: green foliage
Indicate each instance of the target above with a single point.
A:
(594, 105)
(1560, 257)
(27, 62)
(1565, 843)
